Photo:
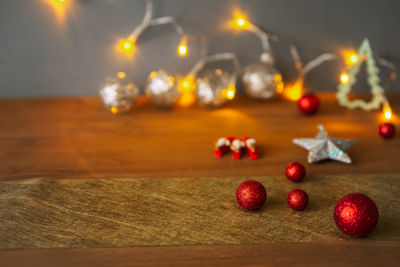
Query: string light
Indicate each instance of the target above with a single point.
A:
(294, 91)
(240, 21)
(280, 86)
(229, 92)
(387, 112)
(60, 7)
(344, 78)
(121, 75)
(187, 83)
(127, 46)
(182, 49)
(350, 57)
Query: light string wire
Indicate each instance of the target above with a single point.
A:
(148, 21)
(265, 38)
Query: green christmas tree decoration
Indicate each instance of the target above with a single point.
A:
(378, 94)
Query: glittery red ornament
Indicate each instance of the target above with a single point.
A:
(251, 195)
(309, 104)
(387, 130)
(295, 171)
(356, 215)
(297, 199)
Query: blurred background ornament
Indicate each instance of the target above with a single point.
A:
(118, 93)
(387, 130)
(262, 80)
(347, 81)
(308, 104)
(213, 87)
(162, 89)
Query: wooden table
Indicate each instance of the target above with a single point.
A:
(76, 139)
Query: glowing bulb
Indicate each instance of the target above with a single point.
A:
(353, 58)
(182, 49)
(240, 21)
(114, 110)
(61, 8)
(187, 84)
(229, 92)
(295, 91)
(127, 45)
(279, 83)
(344, 78)
(121, 75)
(387, 112)
(350, 57)
(187, 87)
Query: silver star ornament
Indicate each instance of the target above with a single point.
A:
(324, 147)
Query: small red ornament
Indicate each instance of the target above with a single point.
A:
(295, 171)
(251, 195)
(237, 147)
(252, 150)
(222, 146)
(309, 104)
(297, 199)
(387, 130)
(356, 215)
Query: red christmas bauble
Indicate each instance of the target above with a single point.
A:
(309, 104)
(251, 195)
(297, 199)
(356, 215)
(295, 171)
(387, 130)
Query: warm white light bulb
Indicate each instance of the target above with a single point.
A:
(344, 78)
(182, 49)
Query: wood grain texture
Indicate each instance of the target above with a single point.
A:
(77, 138)
(380, 253)
(65, 213)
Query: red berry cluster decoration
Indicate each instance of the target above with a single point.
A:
(251, 195)
(295, 171)
(297, 199)
(356, 215)
(387, 130)
(309, 104)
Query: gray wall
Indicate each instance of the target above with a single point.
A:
(40, 57)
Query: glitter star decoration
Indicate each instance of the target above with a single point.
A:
(324, 147)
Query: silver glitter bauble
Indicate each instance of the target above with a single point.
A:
(118, 94)
(162, 89)
(262, 81)
(215, 88)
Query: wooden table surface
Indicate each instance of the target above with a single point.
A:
(75, 138)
